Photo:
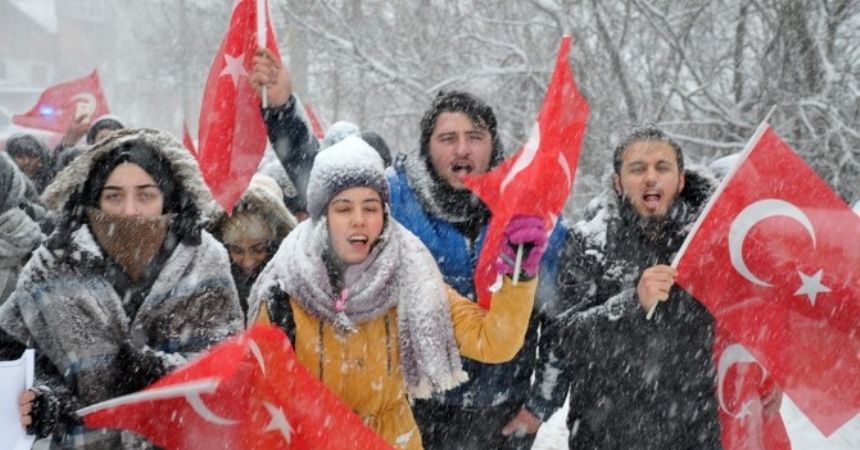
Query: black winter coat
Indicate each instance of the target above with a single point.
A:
(634, 383)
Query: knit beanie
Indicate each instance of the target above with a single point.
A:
(339, 131)
(349, 163)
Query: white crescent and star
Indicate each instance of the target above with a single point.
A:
(754, 213)
(86, 98)
(192, 391)
(234, 67)
(734, 354)
(279, 422)
(525, 158)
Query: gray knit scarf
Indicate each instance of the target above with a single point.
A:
(437, 196)
(399, 272)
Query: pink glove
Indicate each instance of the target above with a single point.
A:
(526, 230)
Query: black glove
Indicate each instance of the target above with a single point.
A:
(50, 413)
(137, 368)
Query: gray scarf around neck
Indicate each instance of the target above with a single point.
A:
(399, 272)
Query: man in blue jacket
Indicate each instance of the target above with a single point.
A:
(496, 408)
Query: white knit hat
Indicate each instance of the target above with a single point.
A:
(349, 163)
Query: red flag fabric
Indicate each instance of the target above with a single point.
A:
(247, 393)
(538, 179)
(62, 103)
(741, 384)
(186, 139)
(775, 257)
(231, 131)
(316, 125)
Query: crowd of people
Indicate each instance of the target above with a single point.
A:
(117, 266)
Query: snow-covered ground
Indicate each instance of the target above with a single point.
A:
(803, 435)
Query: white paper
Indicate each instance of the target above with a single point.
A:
(15, 377)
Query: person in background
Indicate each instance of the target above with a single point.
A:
(33, 158)
(497, 408)
(127, 288)
(366, 306)
(378, 143)
(252, 234)
(20, 233)
(94, 132)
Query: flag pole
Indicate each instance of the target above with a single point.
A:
(518, 264)
(722, 186)
(261, 43)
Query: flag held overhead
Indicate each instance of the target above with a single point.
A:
(538, 179)
(232, 135)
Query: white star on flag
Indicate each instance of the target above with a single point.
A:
(279, 421)
(811, 286)
(233, 67)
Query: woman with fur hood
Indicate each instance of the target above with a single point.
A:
(366, 306)
(252, 234)
(127, 287)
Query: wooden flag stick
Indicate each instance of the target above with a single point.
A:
(518, 264)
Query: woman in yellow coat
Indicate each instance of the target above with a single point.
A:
(365, 305)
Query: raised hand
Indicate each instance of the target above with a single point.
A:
(529, 232)
(269, 71)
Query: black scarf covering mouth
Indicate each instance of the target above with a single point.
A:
(130, 241)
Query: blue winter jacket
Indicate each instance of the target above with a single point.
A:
(457, 256)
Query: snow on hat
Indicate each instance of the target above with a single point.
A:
(349, 163)
(339, 131)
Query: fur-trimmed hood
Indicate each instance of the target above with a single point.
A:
(183, 165)
(258, 200)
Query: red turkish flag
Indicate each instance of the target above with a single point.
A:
(538, 179)
(231, 130)
(62, 103)
(775, 257)
(316, 125)
(247, 393)
(186, 139)
(742, 383)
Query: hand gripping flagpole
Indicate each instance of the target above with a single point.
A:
(743, 156)
(518, 264)
(261, 43)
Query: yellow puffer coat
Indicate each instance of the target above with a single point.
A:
(363, 368)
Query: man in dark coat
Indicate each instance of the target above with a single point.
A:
(634, 383)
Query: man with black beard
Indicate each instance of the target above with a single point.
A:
(497, 408)
(634, 383)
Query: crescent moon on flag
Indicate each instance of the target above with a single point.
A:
(197, 404)
(748, 218)
(255, 350)
(525, 158)
(191, 390)
(565, 167)
(734, 354)
(85, 98)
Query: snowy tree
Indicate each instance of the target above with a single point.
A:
(706, 71)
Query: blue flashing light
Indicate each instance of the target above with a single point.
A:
(47, 111)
